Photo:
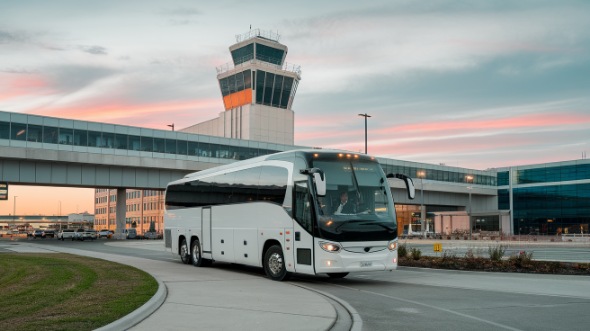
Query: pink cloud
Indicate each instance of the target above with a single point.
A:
(17, 85)
(153, 115)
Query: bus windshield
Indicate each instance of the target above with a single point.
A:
(357, 205)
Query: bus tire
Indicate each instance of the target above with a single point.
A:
(337, 274)
(184, 252)
(196, 255)
(274, 264)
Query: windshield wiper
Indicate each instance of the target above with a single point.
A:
(347, 222)
(390, 229)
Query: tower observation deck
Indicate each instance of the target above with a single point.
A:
(258, 89)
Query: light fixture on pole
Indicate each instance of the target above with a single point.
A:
(365, 115)
(421, 174)
(172, 126)
(469, 179)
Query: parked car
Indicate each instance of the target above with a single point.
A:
(152, 235)
(49, 233)
(131, 234)
(66, 234)
(83, 234)
(38, 234)
(105, 233)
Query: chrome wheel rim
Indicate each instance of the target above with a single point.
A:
(183, 251)
(275, 263)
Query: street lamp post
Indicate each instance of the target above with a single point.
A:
(365, 115)
(14, 208)
(469, 179)
(421, 174)
(172, 126)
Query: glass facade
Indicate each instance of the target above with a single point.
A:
(503, 178)
(451, 176)
(549, 200)
(142, 143)
(553, 174)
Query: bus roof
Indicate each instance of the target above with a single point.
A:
(258, 159)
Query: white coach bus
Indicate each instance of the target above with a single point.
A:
(282, 212)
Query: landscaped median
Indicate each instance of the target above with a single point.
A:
(496, 261)
(51, 291)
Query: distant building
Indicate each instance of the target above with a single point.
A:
(84, 219)
(547, 199)
(27, 223)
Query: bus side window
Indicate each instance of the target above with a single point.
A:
(303, 206)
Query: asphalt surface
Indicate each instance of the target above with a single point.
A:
(234, 297)
(212, 298)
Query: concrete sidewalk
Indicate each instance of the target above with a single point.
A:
(210, 298)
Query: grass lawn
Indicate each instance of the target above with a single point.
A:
(67, 292)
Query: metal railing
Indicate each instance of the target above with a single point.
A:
(286, 66)
(258, 33)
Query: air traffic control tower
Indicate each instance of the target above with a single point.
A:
(258, 90)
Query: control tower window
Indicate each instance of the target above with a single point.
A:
(274, 90)
(243, 54)
(235, 83)
(269, 54)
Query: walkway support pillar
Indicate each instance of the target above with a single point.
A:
(121, 213)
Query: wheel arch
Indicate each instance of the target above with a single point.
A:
(180, 243)
(268, 244)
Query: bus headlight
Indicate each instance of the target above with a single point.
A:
(330, 247)
(392, 245)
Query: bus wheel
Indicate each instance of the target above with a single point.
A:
(185, 256)
(274, 264)
(196, 257)
(337, 274)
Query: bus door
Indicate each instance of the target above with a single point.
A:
(206, 230)
(303, 249)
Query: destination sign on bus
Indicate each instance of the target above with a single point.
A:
(3, 191)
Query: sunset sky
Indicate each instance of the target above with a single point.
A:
(475, 84)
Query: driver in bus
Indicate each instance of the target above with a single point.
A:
(345, 207)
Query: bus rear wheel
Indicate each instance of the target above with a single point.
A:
(337, 274)
(196, 257)
(185, 256)
(274, 264)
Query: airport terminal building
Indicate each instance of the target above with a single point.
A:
(258, 92)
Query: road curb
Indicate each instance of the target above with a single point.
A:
(141, 313)
(357, 321)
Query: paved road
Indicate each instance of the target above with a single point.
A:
(425, 299)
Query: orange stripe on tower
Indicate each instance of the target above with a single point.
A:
(236, 99)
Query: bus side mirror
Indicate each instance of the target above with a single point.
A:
(409, 184)
(320, 184)
(319, 178)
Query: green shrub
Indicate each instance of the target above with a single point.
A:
(402, 250)
(416, 253)
(523, 258)
(449, 255)
(496, 252)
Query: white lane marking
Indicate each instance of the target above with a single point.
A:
(506, 327)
